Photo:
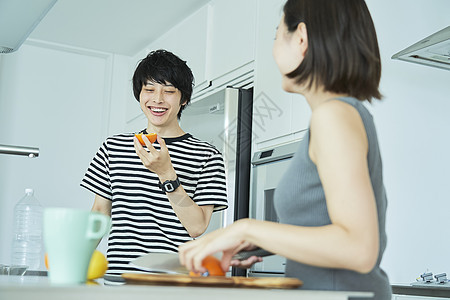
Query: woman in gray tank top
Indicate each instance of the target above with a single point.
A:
(331, 202)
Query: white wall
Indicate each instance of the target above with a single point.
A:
(58, 99)
(413, 128)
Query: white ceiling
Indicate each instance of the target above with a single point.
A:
(116, 26)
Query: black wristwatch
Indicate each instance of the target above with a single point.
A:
(169, 185)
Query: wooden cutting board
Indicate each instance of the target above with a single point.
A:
(215, 281)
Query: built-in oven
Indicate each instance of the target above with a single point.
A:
(268, 166)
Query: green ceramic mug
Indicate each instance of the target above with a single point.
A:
(70, 238)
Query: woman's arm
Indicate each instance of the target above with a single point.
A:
(339, 149)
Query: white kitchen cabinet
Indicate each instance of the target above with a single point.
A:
(231, 39)
(188, 40)
(192, 42)
(300, 113)
(215, 40)
(276, 113)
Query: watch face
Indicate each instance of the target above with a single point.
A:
(169, 187)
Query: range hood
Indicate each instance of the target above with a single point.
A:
(432, 51)
(18, 18)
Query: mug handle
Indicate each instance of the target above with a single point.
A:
(104, 226)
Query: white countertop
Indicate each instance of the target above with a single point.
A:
(432, 289)
(38, 288)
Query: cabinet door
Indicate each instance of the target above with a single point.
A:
(277, 114)
(300, 113)
(187, 40)
(191, 39)
(231, 36)
(271, 105)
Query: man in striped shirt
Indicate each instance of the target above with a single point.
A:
(163, 194)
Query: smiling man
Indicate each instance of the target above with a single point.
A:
(163, 194)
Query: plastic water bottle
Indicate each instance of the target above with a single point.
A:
(27, 239)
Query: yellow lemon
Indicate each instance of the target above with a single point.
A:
(92, 282)
(97, 266)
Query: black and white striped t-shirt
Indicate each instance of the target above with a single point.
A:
(143, 220)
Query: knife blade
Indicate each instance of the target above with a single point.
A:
(161, 262)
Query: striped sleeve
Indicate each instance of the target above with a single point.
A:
(97, 177)
(211, 186)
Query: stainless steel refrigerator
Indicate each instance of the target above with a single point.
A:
(224, 119)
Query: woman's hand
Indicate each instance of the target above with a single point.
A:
(229, 241)
(154, 160)
(247, 263)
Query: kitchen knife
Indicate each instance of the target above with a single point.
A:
(243, 255)
(161, 262)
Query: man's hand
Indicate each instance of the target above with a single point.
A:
(154, 160)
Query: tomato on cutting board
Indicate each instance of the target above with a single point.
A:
(212, 264)
(151, 137)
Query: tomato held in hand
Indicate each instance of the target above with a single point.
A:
(151, 137)
(212, 265)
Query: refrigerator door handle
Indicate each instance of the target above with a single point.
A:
(230, 133)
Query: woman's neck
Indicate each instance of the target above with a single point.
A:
(315, 95)
(316, 98)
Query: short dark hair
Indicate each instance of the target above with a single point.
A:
(343, 53)
(163, 67)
